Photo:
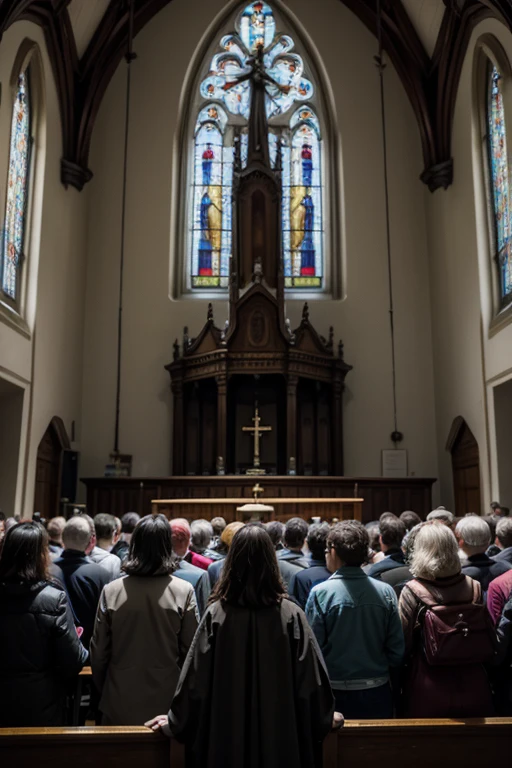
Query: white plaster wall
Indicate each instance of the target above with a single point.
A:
(468, 358)
(49, 365)
(151, 321)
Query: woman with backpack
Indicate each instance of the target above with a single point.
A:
(449, 636)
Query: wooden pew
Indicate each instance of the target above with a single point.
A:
(420, 743)
(88, 747)
(360, 743)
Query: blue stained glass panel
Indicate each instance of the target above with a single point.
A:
(500, 173)
(17, 188)
(228, 83)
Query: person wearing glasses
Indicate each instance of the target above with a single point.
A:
(356, 622)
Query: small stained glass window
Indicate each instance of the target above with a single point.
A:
(17, 190)
(500, 180)
(295, 142)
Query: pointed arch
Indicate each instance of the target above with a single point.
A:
(304, 147)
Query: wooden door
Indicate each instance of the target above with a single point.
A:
(463, 447)
(49, 469)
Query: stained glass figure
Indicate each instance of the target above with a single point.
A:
(500, 173)
(17, 189)
(294, 145)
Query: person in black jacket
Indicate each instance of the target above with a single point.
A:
(40, 652)
(82, 579)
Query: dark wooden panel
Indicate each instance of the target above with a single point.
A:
(120, 495)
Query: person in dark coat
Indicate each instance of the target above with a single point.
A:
(474, 536)
(295, 533)
(392, 532)
(504, 540)
(215, 569)
(82, 579)
(40, 652)
(254, 664)
(398, 577)
(122, 546)
(306, 578)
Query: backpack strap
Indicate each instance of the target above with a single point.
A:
(421, 592)
(477, 591)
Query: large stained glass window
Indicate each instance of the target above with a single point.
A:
(294, 129)
(17, 190)
(500, 180)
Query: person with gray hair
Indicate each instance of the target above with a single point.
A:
(443, 515)
(447, 689)
(54, 528)
(82, 579)
(504, 539)
(474, 536)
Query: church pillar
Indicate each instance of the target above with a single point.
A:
(178, 441)
(291, 421)
(337, 433)
(222, 390)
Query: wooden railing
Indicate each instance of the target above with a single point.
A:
(418, 743)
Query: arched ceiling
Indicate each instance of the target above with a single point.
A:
(425, 39)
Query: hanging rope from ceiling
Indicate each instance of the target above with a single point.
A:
(396, 436)
(129, 57)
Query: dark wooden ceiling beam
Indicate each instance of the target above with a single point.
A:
(431, 84)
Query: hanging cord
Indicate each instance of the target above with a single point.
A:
(129, 57)
(379, 60)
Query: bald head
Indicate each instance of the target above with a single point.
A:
(77, 534)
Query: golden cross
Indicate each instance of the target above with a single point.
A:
(257, 430)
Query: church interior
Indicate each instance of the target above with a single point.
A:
(255, 254)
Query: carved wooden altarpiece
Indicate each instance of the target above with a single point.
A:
(296, 378)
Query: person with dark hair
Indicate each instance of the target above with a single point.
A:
(356, 622)
(122, 546)
(40, 652)
(410, 519)
(498, 509)
(215, 569)
(295, 532)
(392, 531)
(275, 693)
(275, 530)
(398, 577)
(104, 531)
(143, 630)
(493, 549)
(306, 578)
(82, 579)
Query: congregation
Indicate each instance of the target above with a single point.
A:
(277, 629)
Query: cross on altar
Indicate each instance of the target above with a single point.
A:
(257, 430)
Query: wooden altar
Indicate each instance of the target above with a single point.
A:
(381, 494)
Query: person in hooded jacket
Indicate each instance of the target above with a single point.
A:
(40, 651)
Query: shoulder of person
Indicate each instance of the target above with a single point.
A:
(48, 599)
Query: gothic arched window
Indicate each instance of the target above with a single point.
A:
(499, 168)
(13, 238)
(296, 145)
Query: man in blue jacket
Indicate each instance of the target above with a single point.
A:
(356, 622)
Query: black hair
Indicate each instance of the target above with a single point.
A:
(275, 530)
(410, 519)
(151, 548)
(295, 533)
(25, 554)
(351, 541)
(129, 521)
(250, 576)
(104, 525)
(392, 531)
(317, 539)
